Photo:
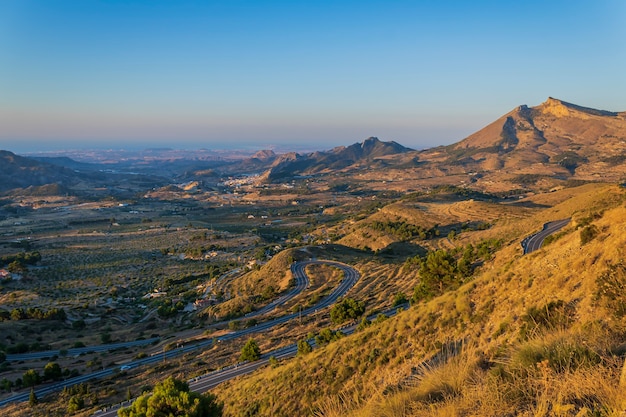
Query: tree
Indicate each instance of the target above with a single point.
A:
(422, 292)
(438, 270)
(173, 398)
(326, 336)
(347, 309)
(399, 299)
(16, 267)
(75, 403)
(304, 347)
(251, 351)
(31, 378)
(32, 398)
(52, 371)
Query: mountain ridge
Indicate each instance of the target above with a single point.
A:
(529, 147)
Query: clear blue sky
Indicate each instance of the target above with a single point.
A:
(307, 74)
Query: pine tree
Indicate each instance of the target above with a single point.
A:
(32, 398)
(251, 351)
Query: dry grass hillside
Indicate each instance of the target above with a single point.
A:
(529, 335)
(252, 287)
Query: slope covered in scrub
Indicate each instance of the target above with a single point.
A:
(528, 335)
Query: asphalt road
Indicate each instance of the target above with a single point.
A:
(78, 351)
(205, 382)
(534, 242)
(351, 276)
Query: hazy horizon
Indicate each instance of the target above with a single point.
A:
(314, 75)
(35, 146)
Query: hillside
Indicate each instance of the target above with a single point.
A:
(530, 335)
(45, 176)
(20, 172)
(185, 249)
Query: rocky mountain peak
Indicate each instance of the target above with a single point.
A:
(264, 154)
(561, 108)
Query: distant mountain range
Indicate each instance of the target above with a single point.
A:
(544, 145)
(20, 172)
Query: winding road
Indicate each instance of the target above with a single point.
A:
(351, 276)
(205, 382)
(534, 242)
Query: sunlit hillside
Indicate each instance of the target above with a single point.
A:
(527, 335)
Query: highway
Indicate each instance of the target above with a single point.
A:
(351, 276)
(203, 383)
(534, 242)
(301, 280)
(78, 351)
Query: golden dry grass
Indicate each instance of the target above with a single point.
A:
(367, 373)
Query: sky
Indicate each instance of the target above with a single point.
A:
(294, 74)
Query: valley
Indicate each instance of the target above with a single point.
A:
(173, 265)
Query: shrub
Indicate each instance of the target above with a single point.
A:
(611, 289)
(326, 336)
(172, 397)
(363, 324)
(250, 351)
(588, 234)
(31, 378)
(75, 403)
(553, 315)
(347, 309)
(380, 318)
(304, 347)
(562, 353)
(399, 299)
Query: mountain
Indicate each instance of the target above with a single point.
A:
(555, 140)
(260, 161)
(539, 148)
(371, 152)
(21, 175)
(20, 172)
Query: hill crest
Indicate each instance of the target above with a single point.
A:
(337, 159)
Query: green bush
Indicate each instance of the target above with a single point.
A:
(399, 299)
(304, 347)
(588, 234)
(347, 309)
(250, 351)
(173, 398)
(31, 378)
(326, 336)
